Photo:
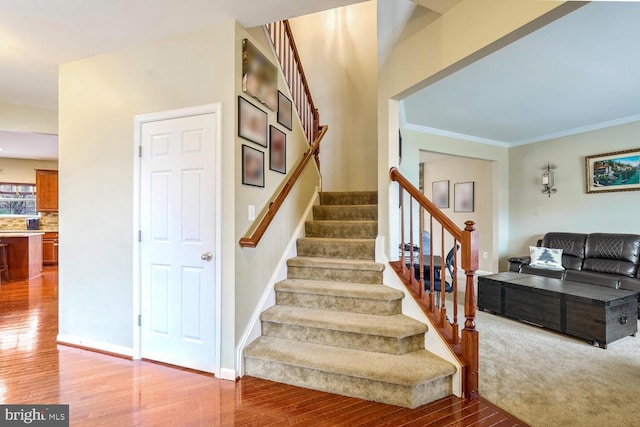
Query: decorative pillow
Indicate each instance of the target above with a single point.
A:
(548, 258)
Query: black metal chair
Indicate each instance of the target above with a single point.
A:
(438, 275)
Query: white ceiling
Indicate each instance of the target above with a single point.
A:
(578, 73)
(38, 35)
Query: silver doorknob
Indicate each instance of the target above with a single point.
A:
(207, 256)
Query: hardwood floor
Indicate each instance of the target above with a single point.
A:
(104, 390)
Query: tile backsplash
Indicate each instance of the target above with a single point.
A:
(48, 221)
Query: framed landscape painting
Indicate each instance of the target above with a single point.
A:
(616, 171)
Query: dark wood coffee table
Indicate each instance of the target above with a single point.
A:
(596, 313)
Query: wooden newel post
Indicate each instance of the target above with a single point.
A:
(470, 346)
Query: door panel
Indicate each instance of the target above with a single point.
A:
(177, 222)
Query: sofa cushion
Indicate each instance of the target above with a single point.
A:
(593, 278)
(630, 284)
(546, 258)
(612, 253)
(556, 274)
(572, 245)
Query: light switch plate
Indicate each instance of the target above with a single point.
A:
(252, 212)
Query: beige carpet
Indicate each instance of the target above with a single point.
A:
(550, 379)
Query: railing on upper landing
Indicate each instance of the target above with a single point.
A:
(285, 48)
(424, 283)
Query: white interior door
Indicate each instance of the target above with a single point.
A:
(177, 249)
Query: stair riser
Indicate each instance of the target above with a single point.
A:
(364, 230)
(345, 339)
(344, 249)
(345, 213)
(335, 275)
(349, 198)
(362, 388)
(338, 303)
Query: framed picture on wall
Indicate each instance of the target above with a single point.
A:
(252, 166)
(616, 171)
(463, 197)
(252, 122)
(277, 150)
(440, 193)
(259, 76)
(285, 111)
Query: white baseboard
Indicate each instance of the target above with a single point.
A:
(268, 298)
(95, 345)
(227, 374)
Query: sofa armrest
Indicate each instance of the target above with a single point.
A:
(515, 262)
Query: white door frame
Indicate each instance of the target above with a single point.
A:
(139, 120)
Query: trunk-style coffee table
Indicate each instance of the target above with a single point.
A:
(596, 313)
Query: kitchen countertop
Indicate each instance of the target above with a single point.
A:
(27, 233)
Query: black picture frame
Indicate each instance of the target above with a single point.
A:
(285, 111)
(252, 166)
(277, 150)
(252, 122)
(463, 197)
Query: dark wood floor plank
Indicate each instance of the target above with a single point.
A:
(103, 390)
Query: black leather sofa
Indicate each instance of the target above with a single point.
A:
(605, 259)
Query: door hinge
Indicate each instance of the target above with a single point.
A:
(139, 235)
(139, 319)
(139, 150)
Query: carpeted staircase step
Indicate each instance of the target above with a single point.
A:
(345, 212)
(342, 229)
(393, 334)
(408, 380)
(339, 296)
(337, 248)
(335, 269)
(349, 198)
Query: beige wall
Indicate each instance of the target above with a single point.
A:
(432, 47)
(99, 98)
(21, 118)
(532, 214)
(338, 49)
(22, 170)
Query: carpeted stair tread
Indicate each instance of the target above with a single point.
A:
(342, 229)
(409, 369)
(396, 326)
(349, 198)
(336, 247)
(342, 289)
(335, 263)
(345, 212)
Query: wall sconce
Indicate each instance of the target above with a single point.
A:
(548, 179)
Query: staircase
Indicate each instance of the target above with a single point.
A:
(335, 327)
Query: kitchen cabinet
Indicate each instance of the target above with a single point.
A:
(46, 190)
(24, 254)
(50, 248)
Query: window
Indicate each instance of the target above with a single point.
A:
(17, 199)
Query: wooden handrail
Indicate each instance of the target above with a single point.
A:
(465, 346)
(254, 239)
